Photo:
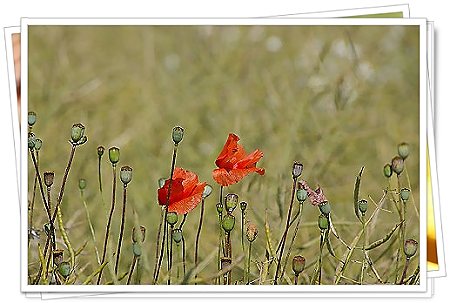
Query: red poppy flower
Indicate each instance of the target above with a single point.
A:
(185, 194)
(234, 164)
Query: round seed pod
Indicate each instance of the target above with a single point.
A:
(138, 236)
(325, 208)
(114, 155)
(252, 232)
(297, 169)
(404, 194)
(49, 177)
(77, 132)
(177, 134)
(137, 249)
(410, 248)
(126, 174)
(397, 165)
(243, 205)
(323, 222)
(231, 201)
(31, 140)
(177, 235)
(100, 150)
(172, 218)
(219, 208)
(207, 191)
(298, 264)
(31, 118)
(362, 206)
(228, 222)
(82, 184)
(302, 194)
(37, 144)
(64, 269)
(387, 170)
(403, 150)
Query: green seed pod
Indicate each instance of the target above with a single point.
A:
(323, 222)
(410, 248)
(302, 194)
(114, 155)
(298, 264)
(161, 182)
(207, 191)
(100, 150)
(387, 170)
(177, 134)
(82, 184)
(31, 140)
(64, 269)
(177, 235)
(325, 208)
(31, 118)
(137, 249)
(49, 177)
(138, 237)
(77, 132)
(404, 194)
(362, 206)
(37, 144)
(252, 232)
(228, 222)
(219, 208)
(397, 165)
(231, 201)
(126, 174)
(297, 169)
(58, 256)
(243, 205)
(403, 150)
(172, 218)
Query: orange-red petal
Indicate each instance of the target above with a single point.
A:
(187, 204)
(227, 178)
(231, 153)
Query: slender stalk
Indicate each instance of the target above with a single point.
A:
(248, 262)
(197, 238)
(242, 228)
(41, 187)
(100, 174)
(364, 236)
(183, 243)
(91, 227)
(158, 238)
(33, 198)
(297, 226)
(320, 256)
(108, 225)
(122, 227)
(170, 252)
(133, 264)
(405, 269)
(283, 239)
(296, 280)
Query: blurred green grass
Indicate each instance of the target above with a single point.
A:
(333, 97)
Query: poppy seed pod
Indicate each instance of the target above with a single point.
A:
(297, 170)
(325, 208)
(231, 201)
(243, 205)
(49, 177)
(362, 206)
(114, 155)
(172, 218)
(207, 191)
(228, 223)
(137, 250)
(298, 264)
(31, 140)
(404, 194)
(403, 150)
(323, 222)
(58, 256)
(100, 150)
(64, 269)
(397, 165)
(177, 235)
(387, 170)
(410, 248)
(77, 132)
(252, 232)
(31, 118)
(177, 134)
(138, 237)
(302, 194)
(219, 208)
(82, 184)
(126, 174)
(37, 144)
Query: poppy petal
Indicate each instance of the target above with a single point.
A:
(187, 204)
(231, 153)
(176, 191)
(250, 160)
(227, 178)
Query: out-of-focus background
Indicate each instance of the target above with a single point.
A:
(333, 97)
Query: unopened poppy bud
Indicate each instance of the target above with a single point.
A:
(31, 118)
(228, 223)
(298, 264)
(323, 222)
(302, 194)
(397, 165)
(82, 184)
(126, 174)
(37, 144)
(243, 205)
(77, 132)
(100, 150)
(404, 194)
(387, 170)
(225, 263)
(231, 201)
(114, 155)
(49, 177)
(252, 232)
(177, 134)
(297, 169)
(362, 206)
(64, 269)
(172, 218)
(177, 235)
(219, 208)
(207, 191)
(31, 140)
(403, 150)
(137, 249)
(410, 248)
(325, 208)
(58, 256)
(138, 236)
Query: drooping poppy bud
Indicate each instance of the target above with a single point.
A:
(177, 235)
(82, 184)
(172, 218)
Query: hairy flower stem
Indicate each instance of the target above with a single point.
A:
(161, 254)
(197, 238)
(297, 226)
(405, 269)
(122, 227)
(322, 241)
(170, 253)
(158, 238)
(100, 175)
(364, 236)
(296, 279)
(91, 227)
(242, 228)
(183, 243)
(401, 212)
(283, 239)
(108, 225)
(33, 198)
(248, 262)
(130, 273)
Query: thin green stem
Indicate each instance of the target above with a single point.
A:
(91, 227)
(133, 265)
(405, 269)
(170, 253)
(158, 238)
(197, 238)
(248, 262)
(297, 226)
(183, 244)
(122, 227)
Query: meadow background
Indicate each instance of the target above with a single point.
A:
(332, 97)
